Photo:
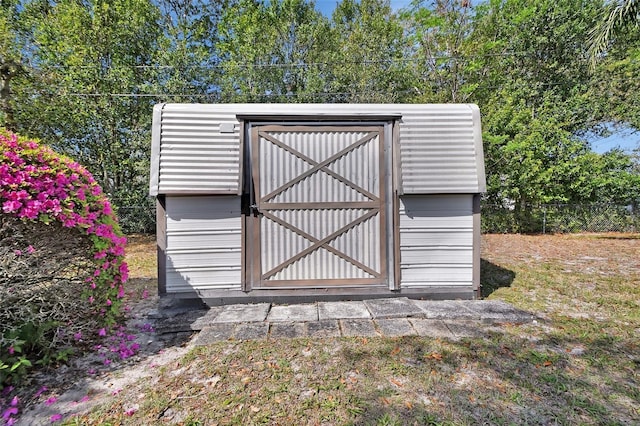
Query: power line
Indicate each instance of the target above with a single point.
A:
(281, 65)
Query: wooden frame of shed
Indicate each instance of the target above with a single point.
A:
(288, 202)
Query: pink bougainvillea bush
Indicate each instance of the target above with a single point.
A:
(62, 268)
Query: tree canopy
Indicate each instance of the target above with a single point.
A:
(84, 75)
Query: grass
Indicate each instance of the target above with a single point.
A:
(578, 365)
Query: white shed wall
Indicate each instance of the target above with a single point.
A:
(198, 152)
(204, 243)
(436, 240)
(196, 147)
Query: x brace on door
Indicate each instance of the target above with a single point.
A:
(270, 208)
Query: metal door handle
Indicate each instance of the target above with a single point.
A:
(255, 210)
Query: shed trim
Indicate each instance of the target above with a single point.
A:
(477, 137)
(156, 129)
(315, 117)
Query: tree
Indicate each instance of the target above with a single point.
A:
(367, 55)
(442, 50)
(533, 89)
(94, 63)
(188, 63)
(10, 61)
(619, 15)
(271, 51)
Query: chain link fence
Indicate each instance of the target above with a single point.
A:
(539, 219)
(560, 218)
(137, 219)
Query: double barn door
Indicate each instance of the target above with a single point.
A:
(318, 206)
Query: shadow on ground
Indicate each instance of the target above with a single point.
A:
(493, 277)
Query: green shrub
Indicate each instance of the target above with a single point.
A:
(61, 257)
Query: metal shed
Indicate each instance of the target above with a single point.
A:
(317, 201)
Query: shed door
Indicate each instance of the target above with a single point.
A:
(319, 207)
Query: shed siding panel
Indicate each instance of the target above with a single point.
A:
(194, 156)
(204, 243)
(436, 240)
(440, 144)
(437, 151)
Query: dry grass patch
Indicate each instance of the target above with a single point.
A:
(578, 365)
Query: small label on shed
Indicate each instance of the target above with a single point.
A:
(227, 127)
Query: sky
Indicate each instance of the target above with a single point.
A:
(624, 139)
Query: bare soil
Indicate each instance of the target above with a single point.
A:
(579, 365)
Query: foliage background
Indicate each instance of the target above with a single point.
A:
(84, 75)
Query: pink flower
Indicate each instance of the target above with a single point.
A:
(51, 400)
(78, 335)
(56, 418)
(30, 249)
(109, 302)
(6, 414)
(91, 299)
(124, 272)
(130, 412)
(11, 350)
(120, 292)
(11, 206)
(40, 391)
(102, 332)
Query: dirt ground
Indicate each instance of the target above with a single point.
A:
(555, 275)
(603, 253)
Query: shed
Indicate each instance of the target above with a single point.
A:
(290, 202)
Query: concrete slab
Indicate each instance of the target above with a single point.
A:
(431, 328)
(252, 331)
(288, 313)
(462, 329)
(207, 319)
(185, 321)
(496, 311)
(243, 313)
(397, 307)
(395, 327)
(324, 328)
(168, 307)
(342, 310)
(358, 327)
(287, 330)
(214, 333)
(445, 309)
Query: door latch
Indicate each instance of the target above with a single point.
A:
(255, 211)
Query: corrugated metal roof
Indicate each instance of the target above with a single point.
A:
(192, 153)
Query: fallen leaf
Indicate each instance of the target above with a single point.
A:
(434, 355)
(397, 383)
(255, 409)
(408, 404)
(395, 350)
(547, 363)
